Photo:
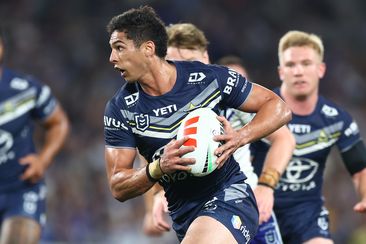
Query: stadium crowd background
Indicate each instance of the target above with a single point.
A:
(64, 44)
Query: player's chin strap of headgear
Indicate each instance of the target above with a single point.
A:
(269, 178)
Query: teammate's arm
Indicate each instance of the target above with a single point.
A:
(359, 180)
(355, 162)
(271, 113)
(56, 129)
(279, 154)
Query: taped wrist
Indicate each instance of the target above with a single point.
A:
(153, 171)
(269, 177)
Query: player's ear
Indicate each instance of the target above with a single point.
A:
(148, 48)
(280, 72)
(321, 70)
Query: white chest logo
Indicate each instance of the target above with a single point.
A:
(196, 77)
(329, 111)
(19, 84)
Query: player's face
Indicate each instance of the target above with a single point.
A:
(127, 58)
(182, 54)
(300, 70)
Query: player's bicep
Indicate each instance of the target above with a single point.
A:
(258, 96)
(118, 159)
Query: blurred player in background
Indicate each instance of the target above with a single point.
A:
(187, 42)
(317, 125)
(218, 207)
(24, 101)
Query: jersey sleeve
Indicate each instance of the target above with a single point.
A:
(234, 87)
(117, 132)
(45, 102)
(350, 134)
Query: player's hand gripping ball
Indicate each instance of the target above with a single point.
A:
(201, 125)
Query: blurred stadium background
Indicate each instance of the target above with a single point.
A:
(64, 44)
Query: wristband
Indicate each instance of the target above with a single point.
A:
(265, 184)
(153, 171)
(269, 177)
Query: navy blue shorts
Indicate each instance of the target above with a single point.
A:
(29, 202)
(268, 232)
(235, 207)
(303, 222)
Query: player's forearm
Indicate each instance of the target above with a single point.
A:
(55, 136)
(271, 116)
(149, 195)
(129, 183)
(280, 152)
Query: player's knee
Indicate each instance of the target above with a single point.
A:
(20, 230)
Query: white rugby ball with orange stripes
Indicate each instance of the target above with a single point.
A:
(200, 126)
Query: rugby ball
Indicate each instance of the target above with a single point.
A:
(200, 126)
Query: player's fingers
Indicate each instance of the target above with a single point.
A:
(181, 142)
(184, 150)
(160, 222)
(360, 207)
(182, 168)
(222, 158)
(222, 138)
(27, 174)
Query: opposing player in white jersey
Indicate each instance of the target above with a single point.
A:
(145, 114)
(187, 42)
(23, 102)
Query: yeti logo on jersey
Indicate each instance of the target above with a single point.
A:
(131, 99)
(142, 122)
(196, 77)
(165, 110)
(329, 111)
(299, 128)
(19, 84)
(6, 143)
(299, 175)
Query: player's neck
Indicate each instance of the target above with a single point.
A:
(300, 105)
(160, 79)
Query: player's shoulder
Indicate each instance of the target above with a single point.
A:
(196, 66)
(125, 97)
(330, 109)
(19, 81)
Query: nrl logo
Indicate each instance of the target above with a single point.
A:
(142, 121)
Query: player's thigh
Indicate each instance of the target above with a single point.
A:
(20, 230)
(205, 229)
(319, 240)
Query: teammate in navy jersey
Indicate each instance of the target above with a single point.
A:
(187, 42)
(317, 124)
(23, 101)
(145, 114)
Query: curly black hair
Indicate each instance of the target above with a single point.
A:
(141, 25)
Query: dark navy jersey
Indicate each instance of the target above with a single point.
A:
(134, 119)
(22, 100)
(315, 134)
